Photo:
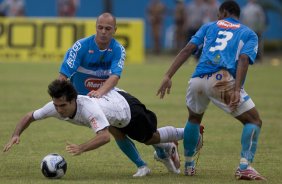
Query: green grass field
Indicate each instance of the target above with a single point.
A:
(24, 88)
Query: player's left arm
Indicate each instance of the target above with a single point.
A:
(95, 117)
(109, 84)
(241, 72)
(246, 57)
(102, 137)
(116, 70)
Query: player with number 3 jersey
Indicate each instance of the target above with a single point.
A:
(229, 47)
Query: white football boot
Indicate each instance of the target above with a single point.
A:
(172, 162)
(142, 171)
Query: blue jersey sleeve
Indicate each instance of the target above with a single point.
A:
(118, 60)
(72, 60)
(250, 48)
(199, 38)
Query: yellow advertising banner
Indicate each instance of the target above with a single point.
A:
(47, 39)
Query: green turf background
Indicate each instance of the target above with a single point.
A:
(23, 88)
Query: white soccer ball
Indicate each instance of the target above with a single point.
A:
(53, 166)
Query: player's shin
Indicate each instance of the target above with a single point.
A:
(191, 137)
(249, 141)
(129, 149)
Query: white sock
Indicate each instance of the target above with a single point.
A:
(170, 134)
(165, 146)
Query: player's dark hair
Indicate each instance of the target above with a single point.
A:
(230, 6)
(59, 88)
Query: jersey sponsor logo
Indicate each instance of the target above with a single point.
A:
(227, 25)
(94, 123)
(94, 83)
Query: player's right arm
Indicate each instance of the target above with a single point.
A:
(182, 56)
(21, 126)
(71, 61)
(47, 110)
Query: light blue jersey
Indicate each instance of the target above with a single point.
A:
(88, 67)
(224, 41)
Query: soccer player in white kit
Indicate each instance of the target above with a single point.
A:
(117, 111)
(228, 49)
(68, 106)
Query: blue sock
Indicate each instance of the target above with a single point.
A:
(249, 141)
(191, 137)
(160, 152)
(129, 149)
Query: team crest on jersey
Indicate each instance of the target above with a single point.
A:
(94, 123)
(227, 25)
(94, 83)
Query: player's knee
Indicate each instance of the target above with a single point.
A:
(155, 139)
(259, 122)
(251, 116)
(117, 134)
(256, 120)
(195, 118)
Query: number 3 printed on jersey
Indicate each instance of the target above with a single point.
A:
(222, 41)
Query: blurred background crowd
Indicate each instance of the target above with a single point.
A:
(169, 24)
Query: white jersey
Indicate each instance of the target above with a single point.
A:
(116, 108)
(95, 113)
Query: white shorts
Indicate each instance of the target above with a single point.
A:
(216, 87)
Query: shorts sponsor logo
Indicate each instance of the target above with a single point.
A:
(94, 83)
(224, 24)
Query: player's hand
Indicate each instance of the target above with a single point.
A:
(13, 140)
(234, 100)
(165, 87)
(94, 94)
(73, 149)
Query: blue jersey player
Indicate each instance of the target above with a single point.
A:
(94, 64)
(228, 49)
